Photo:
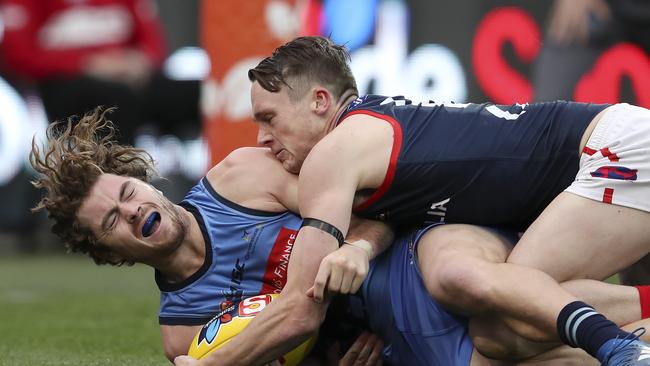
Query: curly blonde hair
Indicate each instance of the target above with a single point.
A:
(75, 155)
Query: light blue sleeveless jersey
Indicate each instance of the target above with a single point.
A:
(247, 254)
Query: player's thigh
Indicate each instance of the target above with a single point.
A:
(457, 246)
(576, 237)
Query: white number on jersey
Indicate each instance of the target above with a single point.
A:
(492, 109)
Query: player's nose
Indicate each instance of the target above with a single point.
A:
(132, 212)
(264, 138)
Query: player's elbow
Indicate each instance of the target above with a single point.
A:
(176, 340)
(172, 351)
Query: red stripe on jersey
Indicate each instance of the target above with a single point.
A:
(275, 275)
(608, 194)
(589, 151)
(644, 299)
(390, 173)
(608, 154)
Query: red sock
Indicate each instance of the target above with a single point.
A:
(644, 300)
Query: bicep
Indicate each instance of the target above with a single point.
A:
(326, 185)
(354, 156)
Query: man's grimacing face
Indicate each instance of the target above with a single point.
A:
(132, 218)
(288, 127)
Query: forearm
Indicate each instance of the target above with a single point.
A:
(271, 334)
(377, 235)
(288, 320)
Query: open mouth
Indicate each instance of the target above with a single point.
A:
(151, 224)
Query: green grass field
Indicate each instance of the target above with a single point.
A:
(65, 310)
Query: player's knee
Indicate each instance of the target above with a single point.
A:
(465, 283)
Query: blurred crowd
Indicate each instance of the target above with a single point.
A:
(577, 32)
(75, 55)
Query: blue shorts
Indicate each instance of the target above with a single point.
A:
(416, 329)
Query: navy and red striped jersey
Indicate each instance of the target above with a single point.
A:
(483, 164)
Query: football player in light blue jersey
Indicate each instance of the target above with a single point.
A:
(232, 237)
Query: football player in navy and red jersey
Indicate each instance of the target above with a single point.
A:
(232, 237)
(571, 176)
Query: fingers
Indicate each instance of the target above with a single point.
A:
(352, 355)
(357, 282)
(321, 281)
(366, 356)
(365, 351)
(376, 352)
(185, 361)
(346, 276)
(346, 283)
(337, 274)
(310, 292)
(342, 271)
(352, 280)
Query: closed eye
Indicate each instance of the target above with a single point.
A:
(113, 223)
(265, 118)
(112, 217)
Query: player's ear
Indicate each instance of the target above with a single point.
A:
(322, 100)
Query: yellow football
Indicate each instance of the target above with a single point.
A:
(233, 319)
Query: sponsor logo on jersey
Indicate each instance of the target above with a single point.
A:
(615, 172)
(275, 275)
(246, 236)
(437, 212)
(251, 237)
(211, 329)
(236, 276)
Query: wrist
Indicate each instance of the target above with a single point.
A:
(363, 244)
